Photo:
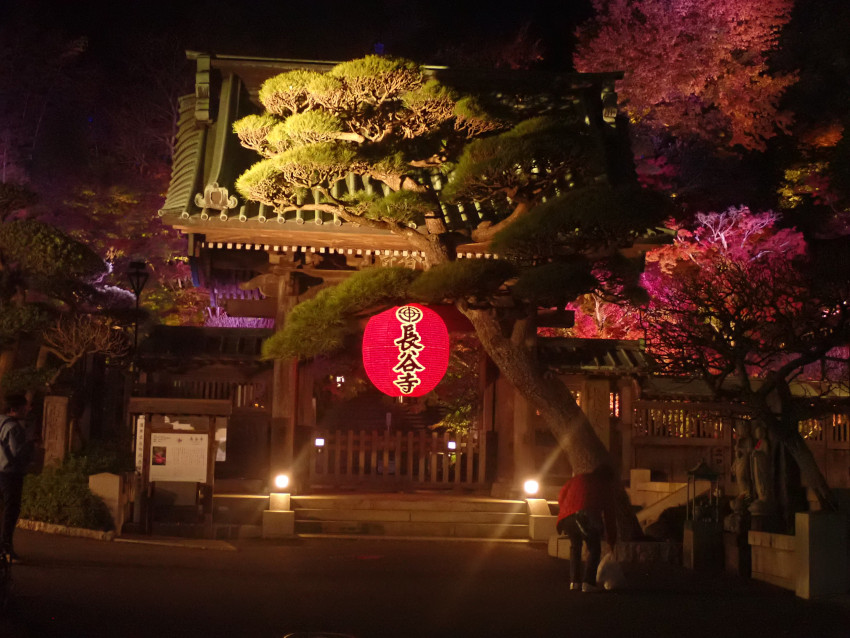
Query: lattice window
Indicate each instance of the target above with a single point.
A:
(614, 404)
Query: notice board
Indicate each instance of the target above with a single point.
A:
(178, 456)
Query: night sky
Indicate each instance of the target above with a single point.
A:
(316, 30)
(124, 36)
(131, 51)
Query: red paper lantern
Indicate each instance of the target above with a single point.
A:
(406, 350)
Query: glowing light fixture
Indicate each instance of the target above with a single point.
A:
(531, 487)
(452, 445)
(281, 481)
(320, 442)
(138, 276)
(406, 350)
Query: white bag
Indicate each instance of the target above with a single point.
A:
(610, 574)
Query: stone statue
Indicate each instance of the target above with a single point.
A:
(742, 466)
(763, 508)
(742, 463)
(761, 465)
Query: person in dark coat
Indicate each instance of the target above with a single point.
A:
(15, 453)
(586, 512)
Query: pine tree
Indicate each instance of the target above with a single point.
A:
(540, 172)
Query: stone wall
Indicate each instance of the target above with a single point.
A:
(625, 552)
(773, 558)
(813, 562)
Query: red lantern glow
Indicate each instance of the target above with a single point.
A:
(406, 350)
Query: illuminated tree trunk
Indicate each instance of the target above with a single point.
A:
(784, 428)
(809, 470)
(515, 356)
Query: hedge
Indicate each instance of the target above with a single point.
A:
(61, 495)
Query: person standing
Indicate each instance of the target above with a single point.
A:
(15, 453)
(585, 512)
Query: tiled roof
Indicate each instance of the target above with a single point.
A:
(593, 355)
(209, 158)
(194, 344)
(186, 162)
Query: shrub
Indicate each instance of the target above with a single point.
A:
(61, 495)
(101, 456)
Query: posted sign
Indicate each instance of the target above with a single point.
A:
(179, 457)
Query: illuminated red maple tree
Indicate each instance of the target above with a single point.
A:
(748, 307)
(693, 69)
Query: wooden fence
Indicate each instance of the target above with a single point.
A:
(243, 394)
(708, 422)
(672, 437)
(829, 440)
(391, 459)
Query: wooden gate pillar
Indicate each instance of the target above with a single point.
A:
(628, 389)
(596, 405)
(525, 465)
(285, 383)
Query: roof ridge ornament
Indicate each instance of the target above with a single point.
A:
(202, 89)
(215, 197)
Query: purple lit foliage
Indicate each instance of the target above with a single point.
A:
(218, 318)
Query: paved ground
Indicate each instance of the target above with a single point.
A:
(371, 588)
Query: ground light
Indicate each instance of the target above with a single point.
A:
(281, 481)
(531, 487)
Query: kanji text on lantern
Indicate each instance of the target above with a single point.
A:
(409, 346)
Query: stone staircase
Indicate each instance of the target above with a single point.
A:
(411, 515)
(421, 514)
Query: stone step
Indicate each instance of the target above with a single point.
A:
(390, 514)
(412, 529)
(408, 502)
(239, 509)
(412, 515)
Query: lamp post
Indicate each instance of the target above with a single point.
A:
(702, 545)
(138, 275)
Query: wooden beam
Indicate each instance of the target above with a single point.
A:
(157, 405)
(266, 308)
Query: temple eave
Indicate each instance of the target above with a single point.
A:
(353, 239)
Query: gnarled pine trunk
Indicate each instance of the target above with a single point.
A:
(783, 426)
(810, 473)
(515, 357)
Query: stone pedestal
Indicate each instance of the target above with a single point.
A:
(278, 520)
(55, 431)
(278, 524)
(737, 554)
(773, 558)
(279, 501)
(821, 554)
(115, 490)
(764, 517)
(702, 547)
(559, 547)
(541, 522)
